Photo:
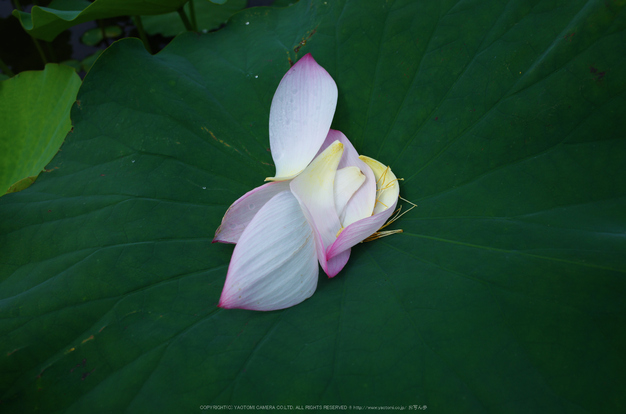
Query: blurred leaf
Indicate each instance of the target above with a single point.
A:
(69, 5)
(113, 31)
(284, 3)
(505, 293)
(94, 36)
(74, 64)
(46, 22)
(35, 108)
(209, 16)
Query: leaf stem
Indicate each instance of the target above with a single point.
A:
(40, 50)
(192, 15)
(142, 33)
(185, 20)
(102, 32)
(18, 6)
(51, 52)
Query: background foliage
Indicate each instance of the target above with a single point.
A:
(47, 22)
(36, 108)
(503, 294)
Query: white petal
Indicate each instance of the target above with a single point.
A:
(362, 203)
(300, 116)
(347, 181)
(387, 199)
(274, 264)
(314, 188)
(333, 265)
(241, 212)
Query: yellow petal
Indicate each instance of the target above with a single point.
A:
(387, 188)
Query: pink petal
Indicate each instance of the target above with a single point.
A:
(335, 264)
(274, 264)
(241, 212)
(387, 198)
(300, 116)
(359, 231)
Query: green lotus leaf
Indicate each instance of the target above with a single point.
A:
(35, 108)
(505, 292)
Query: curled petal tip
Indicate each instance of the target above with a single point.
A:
(286, 178)
(300, 115)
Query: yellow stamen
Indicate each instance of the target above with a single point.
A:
(384, 205)
(397, 214)
(379, 191)
(381, 234)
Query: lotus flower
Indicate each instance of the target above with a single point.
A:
(323, 200)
